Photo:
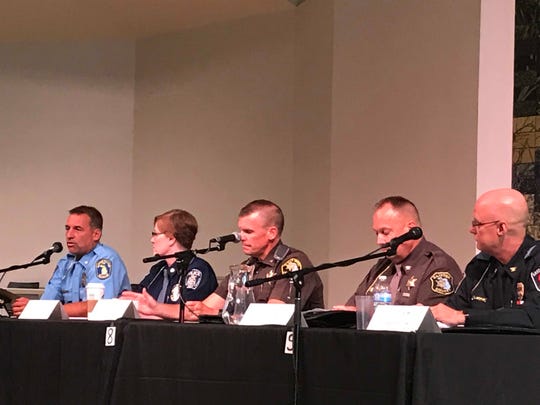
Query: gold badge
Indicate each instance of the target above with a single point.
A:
(411, 282)
(441, 283)
(103, 268)
(513, 269)
(292, 264)
(520, 293)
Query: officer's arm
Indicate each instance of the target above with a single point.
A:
(76, 309)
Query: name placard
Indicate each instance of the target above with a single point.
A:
(268, 314)
(109, 310)
(403, 318)
(43, 309)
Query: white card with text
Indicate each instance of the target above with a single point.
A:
(403, 318)
(43, 309)
(268, 314)
(109, 310)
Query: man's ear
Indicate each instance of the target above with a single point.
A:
(96, 234)
(272, 233)
(411, 224)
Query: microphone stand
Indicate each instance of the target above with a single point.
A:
(183, 259)
(182, 263)
(44, 260)
(297, 278)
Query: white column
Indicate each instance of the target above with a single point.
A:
(495, 95)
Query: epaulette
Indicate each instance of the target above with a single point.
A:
(483, 256)
(529, 252)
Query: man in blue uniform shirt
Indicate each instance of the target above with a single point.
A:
(88, 261)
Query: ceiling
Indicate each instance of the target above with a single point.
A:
(43, 20)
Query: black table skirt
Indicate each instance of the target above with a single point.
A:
(467, 368)
(202, 364)
(67, 362)
(55, 362)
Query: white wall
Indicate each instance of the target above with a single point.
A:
(404, 122)
(213, 127)
(324, 109)
(66, 138)
(495, 95)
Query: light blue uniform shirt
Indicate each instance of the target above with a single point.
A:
(100, 265)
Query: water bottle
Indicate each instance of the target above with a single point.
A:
(381, 292)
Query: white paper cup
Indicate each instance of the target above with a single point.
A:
(94, 292)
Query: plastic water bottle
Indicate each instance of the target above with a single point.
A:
(381, 292)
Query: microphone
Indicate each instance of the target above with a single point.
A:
(46, 255)
(414, 233)
(233, 237)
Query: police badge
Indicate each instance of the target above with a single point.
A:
(175, 293)
(520, 293)
(103, 269)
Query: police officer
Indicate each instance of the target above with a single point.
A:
(174, 231)
(88, 261)
(420, 272)
(260, 224)
(502, 283)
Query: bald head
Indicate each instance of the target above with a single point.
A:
(499, 223)
(505, 204)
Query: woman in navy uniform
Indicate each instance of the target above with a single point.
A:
(174, 231)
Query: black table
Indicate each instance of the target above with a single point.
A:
(479, 368)
(55, 362)
(67, 362)
(203, 364)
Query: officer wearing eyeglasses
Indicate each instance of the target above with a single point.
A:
(502, 283)
(167, 283)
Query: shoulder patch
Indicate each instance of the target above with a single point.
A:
(103, 268)
(292, 264)
(193, 279)
(441, 283)
(535, 275)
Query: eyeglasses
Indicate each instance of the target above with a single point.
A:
(158, 233)
(476, 224)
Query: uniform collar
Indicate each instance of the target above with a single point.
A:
(523, 254)
(269, 260)
(420, 250)
(88, 256)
